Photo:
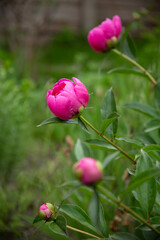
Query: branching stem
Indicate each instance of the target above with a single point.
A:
(128, 210)
(136, 64)
(109, 141)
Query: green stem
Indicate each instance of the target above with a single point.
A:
(109, 141)
(136, 64)
(127, 209)
(86, 233)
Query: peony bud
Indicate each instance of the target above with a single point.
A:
(88, 171)
(104, 36)
(67, 99)
(46, 211)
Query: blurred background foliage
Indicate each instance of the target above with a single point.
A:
(34, 162)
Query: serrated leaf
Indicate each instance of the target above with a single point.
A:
(108, 107)
(56, 120)
(108, 121)
(142, 108)
(83, 125)
(82, 150)
(124, 236)
(133, 142)
(61, 222)
(100, 144)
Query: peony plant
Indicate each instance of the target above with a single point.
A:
(67, 100)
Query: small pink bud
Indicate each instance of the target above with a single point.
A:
(67, 99)
(104, 36)
(88, 171)
(46, 211)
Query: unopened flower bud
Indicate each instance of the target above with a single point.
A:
(46, 211)
(88, 171)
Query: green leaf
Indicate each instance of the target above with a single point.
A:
(100, 144)
(146, 193)
(93, 209)
(108, 121)
(128, 47)
(155, 220)
(153, 147)
(146, 138)
(140, 179)
(108, 107)
(61, 222)
(152, 125)
(109, 158)
(154, 155)
(56, 229)
(45, 228)
(82, 150)
(124, 236)
(77, 214)
(142, 108)
(56, 120)
(83, 125)
(133, 142)
(96, 213)
(157, 94)
(102, 220)
(37, 219)
(105, 191)
(123, 70)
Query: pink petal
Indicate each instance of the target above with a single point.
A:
(108, 28)
(97, 40)
(117, 24)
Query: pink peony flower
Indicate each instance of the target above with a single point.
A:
(88, 171)
(67, 98)
(105, 36)
(46, 211)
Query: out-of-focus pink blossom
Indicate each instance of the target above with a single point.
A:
(105, 35)
(88, 171)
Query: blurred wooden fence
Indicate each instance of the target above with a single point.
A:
(33, 20)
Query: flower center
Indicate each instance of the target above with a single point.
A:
(57, 89)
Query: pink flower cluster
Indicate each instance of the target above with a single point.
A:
(67, 99)
(88, 171)
(105, 36)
